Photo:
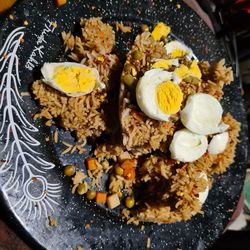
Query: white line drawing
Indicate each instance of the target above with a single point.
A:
(20, 160)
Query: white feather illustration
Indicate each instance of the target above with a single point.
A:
(21, 160)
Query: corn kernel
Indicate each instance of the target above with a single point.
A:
(100, 58)
(54, 24)
(133, 71)
(11, 17)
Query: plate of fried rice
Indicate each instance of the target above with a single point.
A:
(122, 126)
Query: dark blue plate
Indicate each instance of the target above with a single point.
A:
(32, 185)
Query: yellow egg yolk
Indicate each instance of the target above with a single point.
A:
(164, 64)
(178, 53)
(195, 70)
(182, 71)
(75, 79)
(169, 97)
(160, 31)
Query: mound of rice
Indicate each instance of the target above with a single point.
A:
(141, 132)
(164, 189)
(176, 186)
(83, 115)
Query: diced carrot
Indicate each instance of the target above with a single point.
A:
(59, 3)
(91, 163)
(128, 163)
(101, 197)
(129, 173)
(129, 169)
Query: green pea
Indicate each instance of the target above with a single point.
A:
(128, 67)
(82, 188)
(144, 28)
(137, 55)
(188, 79)
(105, 164)
(91, 194)
(69, 170)
(128, 79)
(119, 170)
(129, 202)
(112, 178)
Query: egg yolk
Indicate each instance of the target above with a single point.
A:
(169, 97)
(178, 53)
(75, 79)
(195, 70)
(160, 31)
(164, 64)
(182, 71)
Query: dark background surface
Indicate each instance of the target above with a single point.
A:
(10, 241)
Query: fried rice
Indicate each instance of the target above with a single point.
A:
(83, 115)
(165, 190)
(141, 132)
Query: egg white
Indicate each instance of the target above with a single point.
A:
(218, 143)
(203, 195)
(146, 93)
(202, 114)
(187, 146)
(176, 45)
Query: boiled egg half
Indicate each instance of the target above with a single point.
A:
(176, 49)
(157, 96)
(187, 146)
(203, 195)
(183, 71)
(202, 114)
(160, 31)
(218, 143)
(72, 79)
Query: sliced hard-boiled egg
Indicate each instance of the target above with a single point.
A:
(183, 71)
(203, 195)
(176, 49)
(202, 114)
(72, 79)
(157, 96)
(160, 31)
(180, 73)
(221, 128)
(165, 63)
(218, 143)
(194, 69)
(187, 146)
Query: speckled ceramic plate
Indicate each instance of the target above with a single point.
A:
(32, 185)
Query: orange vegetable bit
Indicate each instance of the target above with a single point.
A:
(91, 163)
(129, 162)
(6, 4)
(101, 198)
(129, 173)
(129, 169)
(60, 3)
